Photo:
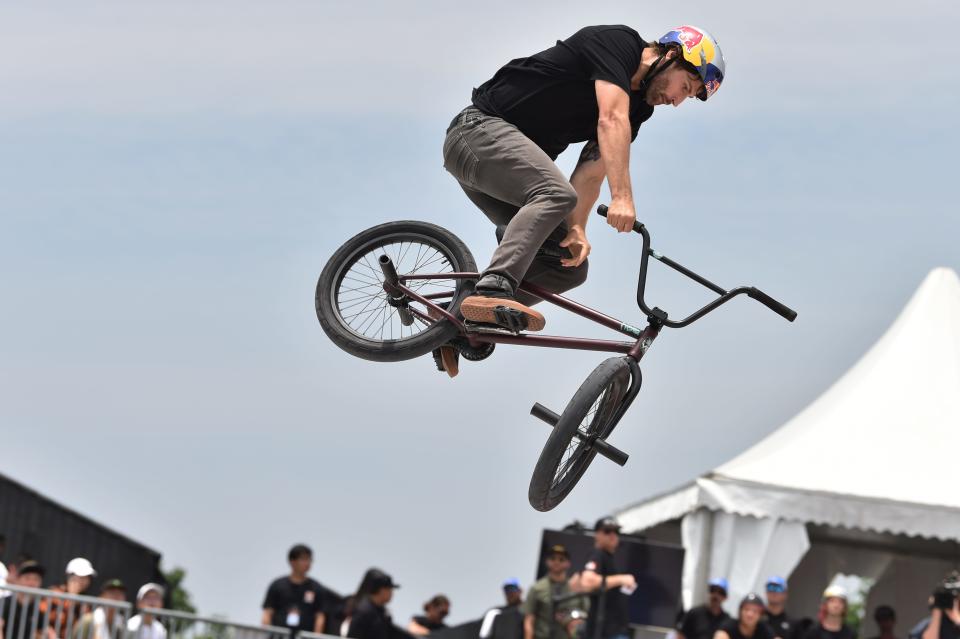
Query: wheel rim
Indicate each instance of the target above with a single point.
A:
(357, 294)
(579, 450)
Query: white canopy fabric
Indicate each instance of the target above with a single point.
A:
(899, 405)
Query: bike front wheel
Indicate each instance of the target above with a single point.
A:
(590, 415)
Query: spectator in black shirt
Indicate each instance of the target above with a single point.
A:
(701, 622)
(435, 611)
(776, 613)
(748, 624)
(295, 601)
(609, 584)
(18, 609)
(944, 616)
(505, 622)
(886, 619)
(833, 611)
(370, 619)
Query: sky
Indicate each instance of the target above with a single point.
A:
(173, 177)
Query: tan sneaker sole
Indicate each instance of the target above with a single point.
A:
(477, 308)
(448, 355)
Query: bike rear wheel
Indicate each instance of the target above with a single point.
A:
(354, 310)
(590, 415)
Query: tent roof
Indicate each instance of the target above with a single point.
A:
(884, 437)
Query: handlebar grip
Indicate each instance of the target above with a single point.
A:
(602, 211)
(775, 306)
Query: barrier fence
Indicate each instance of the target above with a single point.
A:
(32, 613)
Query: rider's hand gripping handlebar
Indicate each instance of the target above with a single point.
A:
(775, 306)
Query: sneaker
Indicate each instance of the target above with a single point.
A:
(494, 303)
(447, 359)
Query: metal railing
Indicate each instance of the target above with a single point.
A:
(31, 613)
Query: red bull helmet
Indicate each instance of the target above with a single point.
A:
(701, 51)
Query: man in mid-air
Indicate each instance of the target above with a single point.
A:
(597, 86)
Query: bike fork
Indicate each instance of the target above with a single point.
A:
(600, 444)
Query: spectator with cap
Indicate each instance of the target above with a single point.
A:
(552, 610)
(434, 612)
(20, 609)
(144, 625)
(370, 619)
(886, 618)
(295, 601)
(505, 622)
(103, 622)
(748, 624)
(703, 621)
(830, 620)
(608, 584)
(776, 612)
(79, 575)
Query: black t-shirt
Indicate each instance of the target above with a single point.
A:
(551, 96)
(16, 612)
(508, 624)
(616, 619)
(781, 625)
(732, 628)
(370, 621)
(948, 629)
(294, 605)
(819, 632)
(429, 625)
(700, 623)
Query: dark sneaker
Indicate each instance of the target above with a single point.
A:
(493, 303)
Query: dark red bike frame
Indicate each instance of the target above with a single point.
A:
(395, 287)
(635, 349)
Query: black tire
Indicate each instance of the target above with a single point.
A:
(568, 451)
(450, 254)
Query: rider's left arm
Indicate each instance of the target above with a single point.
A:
(586, 180)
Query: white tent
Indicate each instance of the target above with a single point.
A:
(799, 503)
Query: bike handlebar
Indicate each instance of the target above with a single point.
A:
(780, 309)
(725, 296)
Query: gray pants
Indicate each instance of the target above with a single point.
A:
(515, 184)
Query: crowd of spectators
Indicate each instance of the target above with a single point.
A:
(568, 602)
(68, 618)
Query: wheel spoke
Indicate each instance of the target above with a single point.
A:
(361, 302)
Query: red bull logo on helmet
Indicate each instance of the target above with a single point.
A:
(689, 37)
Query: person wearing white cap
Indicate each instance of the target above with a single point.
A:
(144, 625)
(79, 574)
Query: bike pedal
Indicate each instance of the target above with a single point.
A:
(510, 318)
(487, 329)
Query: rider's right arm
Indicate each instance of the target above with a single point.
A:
(267, 618)
(613, 136)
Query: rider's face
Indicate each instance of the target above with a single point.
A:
(674, 85)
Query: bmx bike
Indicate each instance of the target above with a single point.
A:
(392, 293)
